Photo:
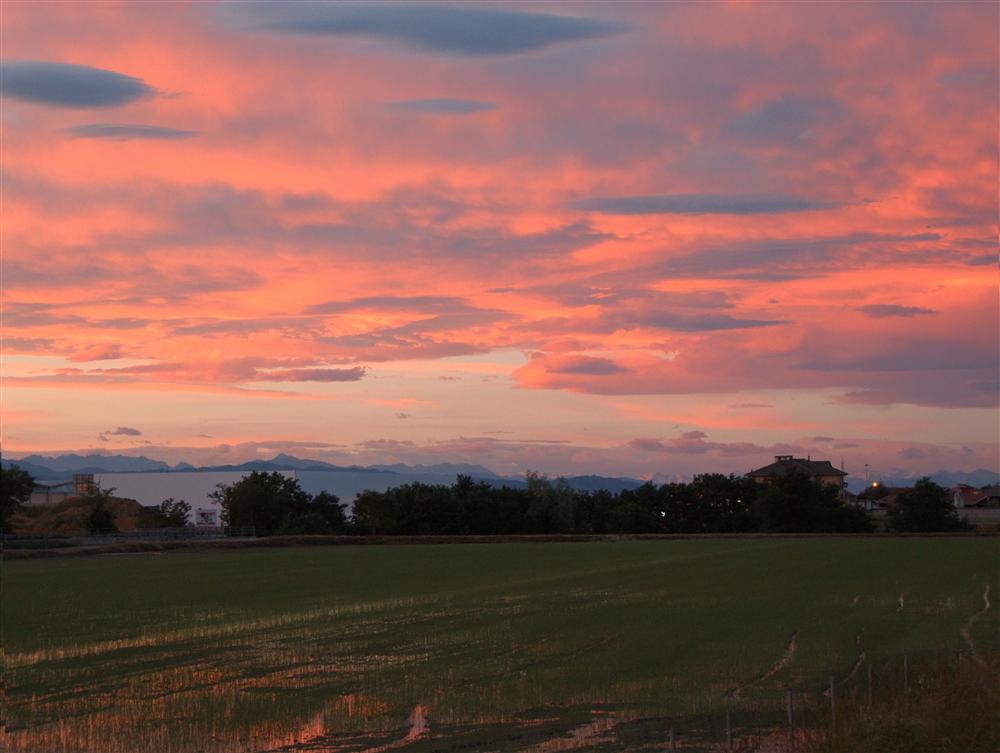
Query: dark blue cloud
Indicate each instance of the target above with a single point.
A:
(925, 354)
(443, 106)
(124, 431)
(787, 120)
(697, 203)
(467, 30)
(882, 310)
(981, 77)
(68, 85)
(789, 258)
(127, 132)
(982, 260)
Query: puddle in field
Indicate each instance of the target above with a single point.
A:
(594, 730)
(363, 723)
(389, 678)
(231, 700)
(532, 732)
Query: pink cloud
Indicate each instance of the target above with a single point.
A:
(685, 200)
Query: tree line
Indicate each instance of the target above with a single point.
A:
(711, 503)
(272, 503)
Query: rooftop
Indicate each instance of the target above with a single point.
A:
(787, 463)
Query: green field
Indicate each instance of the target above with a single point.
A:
(516, 643)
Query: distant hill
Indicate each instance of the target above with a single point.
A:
(62, 467)
(38, 472)
(977, 478)
(439, 469)
(275, 465)
(107, 463)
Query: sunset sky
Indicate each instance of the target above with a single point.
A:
(616, 238)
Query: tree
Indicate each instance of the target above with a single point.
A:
(324, 514)
(793, 502)
(333, 512)
(15, 490)
(101, 518)
(721, 503)
(274, 503)
(167, 514)
(260, 500)
(374, 513)
(925, 507)
(550, 504)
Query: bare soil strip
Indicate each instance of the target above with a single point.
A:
(148, 547)
(596, 732)
(858, 663)
(966, 629)
(779, 665)
(166, 637)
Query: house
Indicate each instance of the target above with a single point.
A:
(963, 496)
(881, 497)
(818, 470)
(988, 496)
(47, 493)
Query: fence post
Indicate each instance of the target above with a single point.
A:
(833, 703)
(729, 727)
(791, 719)
(673, 739)
(869, 686)
(906, 674)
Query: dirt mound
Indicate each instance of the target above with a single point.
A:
(71, 515)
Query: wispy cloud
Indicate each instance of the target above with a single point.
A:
(881, 310)
(311, 375)
(128, 132)
(442, 106)
(701, 204)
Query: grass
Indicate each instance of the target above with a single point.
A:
(247, 650)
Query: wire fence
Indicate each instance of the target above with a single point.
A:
(107, 535)
(794, 717)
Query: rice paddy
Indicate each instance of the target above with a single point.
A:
(464, 647)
